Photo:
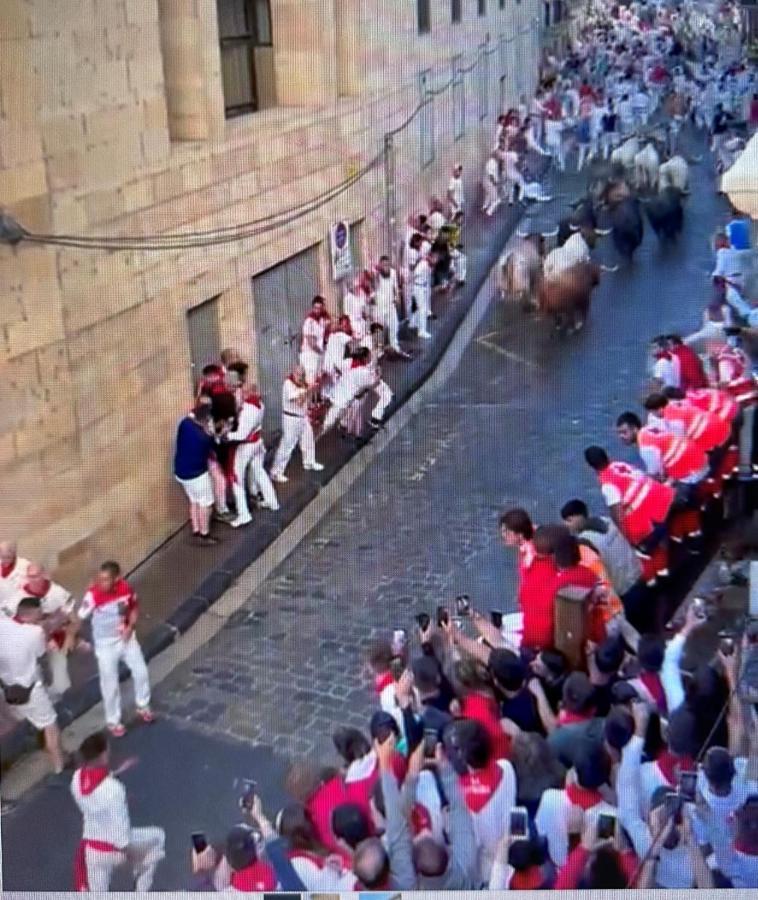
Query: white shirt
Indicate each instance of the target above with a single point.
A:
(249, 420)
(104, 811)
(294, 397)
(334, 358)
(668, 371)
(386, 290)
(354, 306)
(455, 190)
(510, 162)
(492, 169)
(436, 221)
(315, 329)
(56, 599)
(21, 647)
(491, 822)
(352, 382)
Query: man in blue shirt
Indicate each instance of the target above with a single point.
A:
(195, 444)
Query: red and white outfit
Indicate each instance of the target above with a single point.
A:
(553, 816)
(109, 612)
(706, 430)
(421, 296)
(12, 576)
(313, 345)
(490, 795)
(255, 878)
(387, 296)
(356, 380)
(675, 457)
(335, 361)
(644, 501)
(246, 459)
(296, 428)
(54, 602)
(108, 839)
(735, 376)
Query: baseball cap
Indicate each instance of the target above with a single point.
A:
(241, 848)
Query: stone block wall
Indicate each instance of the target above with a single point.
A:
(103, 131)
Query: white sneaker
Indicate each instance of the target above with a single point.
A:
(282, 479)
(314, 467)
(424, 335)
(238, 523)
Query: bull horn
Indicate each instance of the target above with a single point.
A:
(549, 234)
(603, 232)
(608, 268)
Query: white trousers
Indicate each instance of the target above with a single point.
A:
(61, 681)
(386, 316)
(109, 654)
(422, 298)
(296, 430)
(338, 410)
(146, 849)
(248, 469)
(459, 265)
(312, 363)
(491, 194)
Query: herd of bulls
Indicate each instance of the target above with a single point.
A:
(559, 283)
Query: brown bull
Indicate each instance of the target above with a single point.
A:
(566, 297)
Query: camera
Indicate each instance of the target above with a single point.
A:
(727, 645)
(249, 789)
(699, 608)
(199, 841)
(519, 825)
(687, 786)
(423, 620)
(431, 739)
(443, 616)
(606, 826)
(496, 617)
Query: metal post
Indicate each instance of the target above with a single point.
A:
(390, 196)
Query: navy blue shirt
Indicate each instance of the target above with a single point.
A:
(193, 449)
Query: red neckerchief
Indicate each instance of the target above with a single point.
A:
(317, 317)
(744, 846)
(479, 786)
(671, 765)
(566, 717)
(120, 591)
(652, 682)
(359, 363)
(258, 877)
(530, 879)
(91, 777)
(662, 354)
(382, 681)
(30, 592)
(253, 400)
(584, 797)
(421, 820)
(7, 568)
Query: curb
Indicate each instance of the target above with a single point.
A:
(407, 402)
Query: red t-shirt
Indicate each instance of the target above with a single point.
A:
(692, 374)
(535, 599)
(570, 874)
(486, 711)
(576, 576)
(324, 800)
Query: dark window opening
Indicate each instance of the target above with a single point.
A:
(456, 10)
(481, 7)
(424, 16)
(243, 25)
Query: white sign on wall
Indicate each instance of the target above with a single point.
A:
(340, 250)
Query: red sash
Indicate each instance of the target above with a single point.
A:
(81, 883)
(671, 765)
(652, 682)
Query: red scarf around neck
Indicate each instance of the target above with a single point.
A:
(479, 786)
(652, 682)
(584, 797)
(671, 765)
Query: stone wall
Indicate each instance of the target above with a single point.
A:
(111, 123)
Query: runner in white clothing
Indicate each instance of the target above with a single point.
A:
(491, 184)
(57, 608)
(22, 650)
(314, 340)
(357, 380)
(248, 453)
(108, 839)
(296, 426)
(422, 294)
(455, 193)
(355, 307)
(387, 303)
(111, 604)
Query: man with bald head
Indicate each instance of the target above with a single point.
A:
(12, 569)
(57, 619)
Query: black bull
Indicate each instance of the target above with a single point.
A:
(666, 213)
(623, 218)
(566, 297)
